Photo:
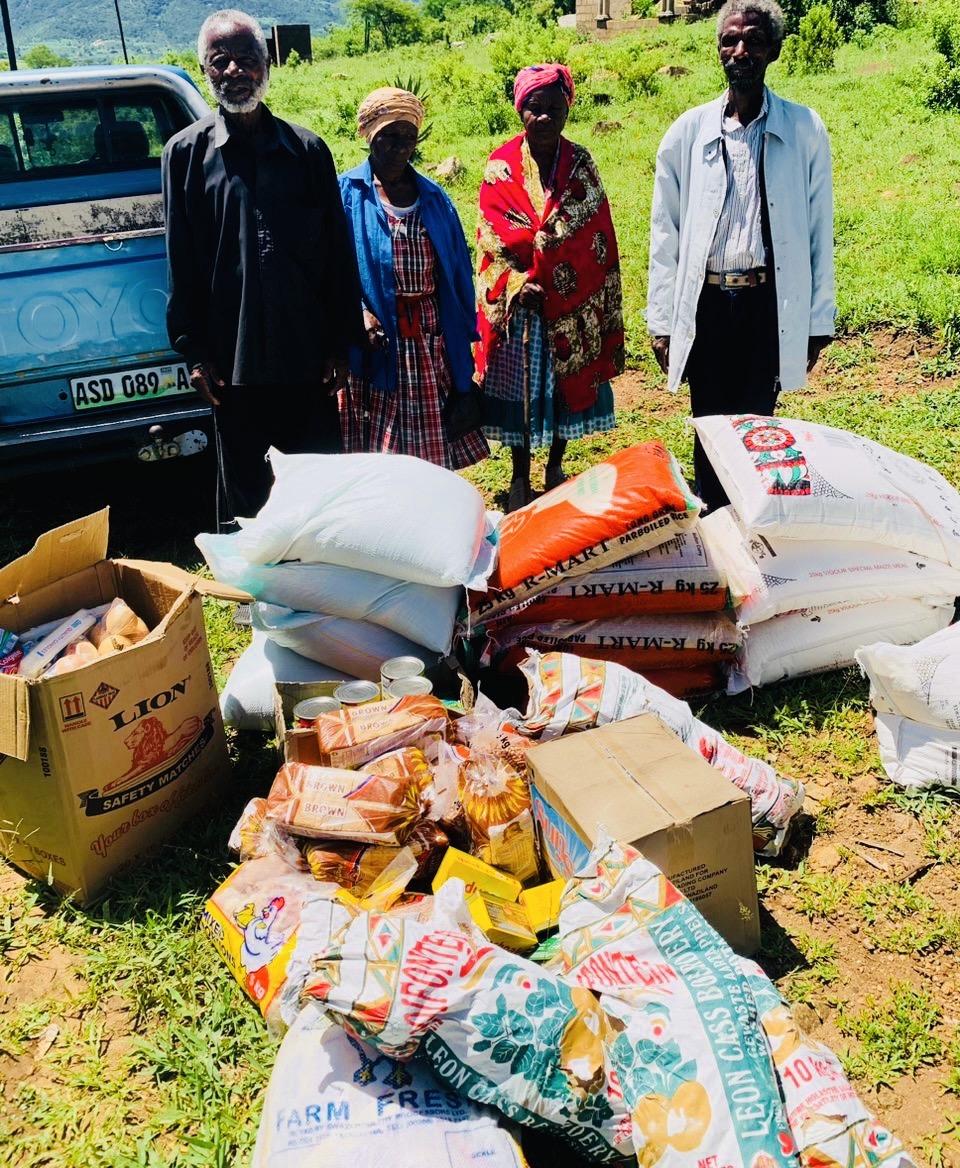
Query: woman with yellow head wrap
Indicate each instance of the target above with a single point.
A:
(411, 387)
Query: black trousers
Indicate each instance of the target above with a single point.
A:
(733, 367)
(296, 419)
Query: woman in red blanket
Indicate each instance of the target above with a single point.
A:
(548, 272)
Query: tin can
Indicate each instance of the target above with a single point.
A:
(357, 693)
(309, 709)
(397, 667)
(404, 686)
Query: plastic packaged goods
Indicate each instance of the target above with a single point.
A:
(46, 651)
(119, 620)
(352, 736)
(684, 574)
(370, 511)
(377, 804)
(828, 1121)
(685, 1042)
(496, 804)
(569, 693)
(492, 1026)
(815, 640)
(632, 501)
(421, 613)
(77, 654)
(920, 681)
(333, 1100)
(775, 575)
(915, 754)
(353, 648)
(800, 480)
(635, 642)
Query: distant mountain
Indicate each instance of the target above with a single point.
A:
(87, 31)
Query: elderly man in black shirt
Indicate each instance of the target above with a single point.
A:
(264, 295)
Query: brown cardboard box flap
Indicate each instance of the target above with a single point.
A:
(183, 580)
(57, 553)
(14, 717)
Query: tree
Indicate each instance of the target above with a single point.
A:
(397, 21)
(43, 57)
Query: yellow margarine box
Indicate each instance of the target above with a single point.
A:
(473, 871)
(504, 923)
(543, 905)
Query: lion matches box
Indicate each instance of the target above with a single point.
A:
(103, 764)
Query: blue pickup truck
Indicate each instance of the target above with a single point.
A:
(86, 371)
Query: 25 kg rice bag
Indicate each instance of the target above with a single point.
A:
(333, 1100)
(634, 500)
(801, 480)
(419, 612)
(353, 648)
(376, 805)
(494, 1027)
(569, 693)
(391, 514)
(353, 735)
(680, 575)
(688, 1051)
(815, 640)
(781, 575)
(920, 681)
(829, 1123)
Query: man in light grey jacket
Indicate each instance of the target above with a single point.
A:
(741, 290)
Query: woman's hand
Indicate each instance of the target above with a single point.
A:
(530, 297)
(376, 337)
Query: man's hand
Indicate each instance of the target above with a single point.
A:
(530, 297)
(203, 377)
(376, 337)
(815, 345)
(661, 350)
(333, 374)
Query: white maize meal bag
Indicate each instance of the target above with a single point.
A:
(356, 648)
(816, 640)
(419, 612)
(920, 681)
(392, 514)
(801, 480)
(916, 755)
(771, 575)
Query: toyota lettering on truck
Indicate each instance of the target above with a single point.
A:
(86, 371)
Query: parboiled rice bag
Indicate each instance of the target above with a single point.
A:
(569, 693)
(332, 1100)
(774, 575)
(801, 480)
(372, 511)
(689, 1053)
(634, 500)
(493, 1027)
(829, 1123)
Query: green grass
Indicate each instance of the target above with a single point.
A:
(896, 1036)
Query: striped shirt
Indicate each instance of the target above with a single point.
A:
(738, 241)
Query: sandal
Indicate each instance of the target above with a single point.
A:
(519, 494)
(553, 477)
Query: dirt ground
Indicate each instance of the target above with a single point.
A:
(848, 842)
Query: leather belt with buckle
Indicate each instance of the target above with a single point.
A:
(748, 279)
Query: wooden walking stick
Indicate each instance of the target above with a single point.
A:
(526, 393)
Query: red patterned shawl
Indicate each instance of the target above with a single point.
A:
(565, 242)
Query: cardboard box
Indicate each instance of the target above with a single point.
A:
(640, 782)
(101, 765)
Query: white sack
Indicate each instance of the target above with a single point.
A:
(387, 513)
(815, 640)
(356, 648)
(770, 575)
(919, 681)
(800, 480)
(420, 612)
(914, 755)
(333, 1101)
(247, 701)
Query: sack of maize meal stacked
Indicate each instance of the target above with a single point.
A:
(833, 541)
(612, 565)
(354, 559)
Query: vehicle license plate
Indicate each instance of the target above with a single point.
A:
(112, 389)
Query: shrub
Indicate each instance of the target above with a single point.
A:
(943, 84)
(812, 49)
(523, 43)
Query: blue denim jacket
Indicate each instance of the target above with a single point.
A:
(367, 223)
(688, 195)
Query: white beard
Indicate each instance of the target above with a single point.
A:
(239, 107)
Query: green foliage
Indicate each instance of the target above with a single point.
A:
(812, 49)
(895, 1037)
(391, 22)
(42, 57)
(522, 44)
(643, 7)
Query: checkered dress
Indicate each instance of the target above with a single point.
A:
(410, 420)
